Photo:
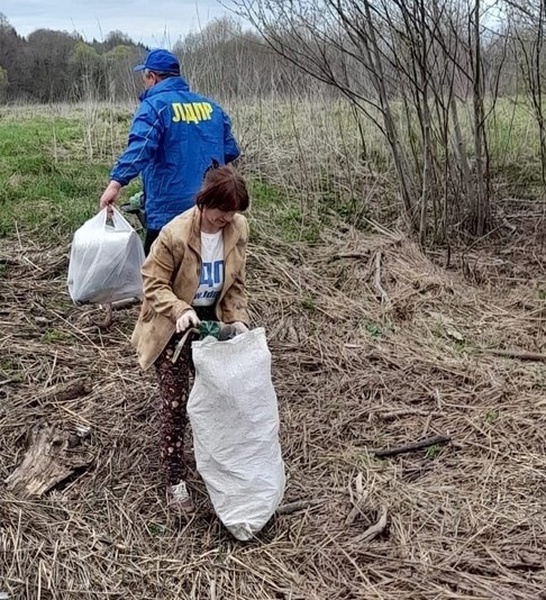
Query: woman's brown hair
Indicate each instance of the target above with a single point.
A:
(225, 189)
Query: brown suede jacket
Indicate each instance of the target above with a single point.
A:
(171, 278)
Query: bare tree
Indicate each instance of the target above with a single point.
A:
(528, 20)
(422, 56)
(226, 61)
(3, 82)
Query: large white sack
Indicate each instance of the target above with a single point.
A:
(235, 422)
(105, 260)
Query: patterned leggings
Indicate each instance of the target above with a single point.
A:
(174, 385)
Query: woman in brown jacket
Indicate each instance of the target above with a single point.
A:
(195, 271)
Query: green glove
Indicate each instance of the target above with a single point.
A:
(207, 328)
(135, 200)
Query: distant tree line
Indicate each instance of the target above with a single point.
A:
(55, 66)
(413, 68)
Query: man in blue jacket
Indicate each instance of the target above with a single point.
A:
(175, 136)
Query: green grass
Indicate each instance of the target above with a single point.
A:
(155, 529)
(309, 303)
(491, 416)
(313, 164)
(52, 180)
(285, 216)
(293, 220)
(374, 330)
(54, 336)
(47, 190)
(433, 451)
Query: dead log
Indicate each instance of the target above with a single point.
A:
(50, 459)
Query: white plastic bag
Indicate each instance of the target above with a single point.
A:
(105, 260)
(233, 413)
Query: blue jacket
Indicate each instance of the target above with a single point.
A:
(174, 137)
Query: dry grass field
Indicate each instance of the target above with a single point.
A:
(375, 346)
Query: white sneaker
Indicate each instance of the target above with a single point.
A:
(179, 497)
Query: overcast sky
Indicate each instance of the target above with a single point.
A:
(152, 22)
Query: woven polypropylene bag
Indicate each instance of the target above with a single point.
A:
(234, 417)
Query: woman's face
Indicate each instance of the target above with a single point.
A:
(217, 219)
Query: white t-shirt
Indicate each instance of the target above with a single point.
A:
(212, 269)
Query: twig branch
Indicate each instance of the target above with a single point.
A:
(521, 355)
(342, 255)
(62, 392)
(374, 530)
(292, 507)
(377, 280)
(357, 500)
(437, 439)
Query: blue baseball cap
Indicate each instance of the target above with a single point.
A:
(160, 61)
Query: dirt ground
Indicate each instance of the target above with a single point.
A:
(375, 346)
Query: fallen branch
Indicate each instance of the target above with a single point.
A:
(372, 531)
(292, 507)
(437, 439)
(62, 392)
(521, 355)
(357, 500)
(342, 255)
(377, 280)
(397, 414)
(126, 303)
(67, 391)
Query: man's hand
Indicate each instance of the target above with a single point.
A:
(187, 319)
(110, 195)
